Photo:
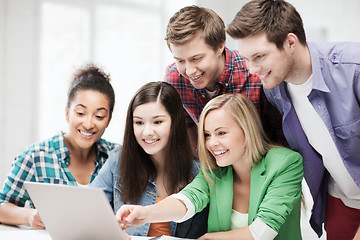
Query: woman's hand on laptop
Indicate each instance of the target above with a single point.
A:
(131, 216)
(35, 220)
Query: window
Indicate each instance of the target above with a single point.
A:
(124, 38)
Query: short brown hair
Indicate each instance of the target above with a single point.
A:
(276, 18)
(190, 21)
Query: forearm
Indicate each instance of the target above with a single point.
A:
(169, 209)
(15, 215)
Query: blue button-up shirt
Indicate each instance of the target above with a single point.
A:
(335, 96)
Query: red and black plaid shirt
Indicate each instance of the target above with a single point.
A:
(235, 78)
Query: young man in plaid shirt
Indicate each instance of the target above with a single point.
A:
(204, 68)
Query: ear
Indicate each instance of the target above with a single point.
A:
(291, 42)
(67, 114)
(221, 48)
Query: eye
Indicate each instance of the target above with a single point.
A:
(206, 135)
(138, 122)
(197, 59)
(222, 133)
(259, 57)
(100, 117)
(179, 61)
(158, 122)
(80, 114)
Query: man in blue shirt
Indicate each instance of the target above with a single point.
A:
(316, 86)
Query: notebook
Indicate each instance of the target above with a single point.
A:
(74, 213)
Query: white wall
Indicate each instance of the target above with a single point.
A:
(18, 63)
(324, 20)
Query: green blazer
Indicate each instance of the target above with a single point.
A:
(275, 194)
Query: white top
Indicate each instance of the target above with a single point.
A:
(238, 219)
(259, 230)
(341, 184)
(210, 94)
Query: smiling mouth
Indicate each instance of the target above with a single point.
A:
(86, 134)
(220, 153)
(264, 76)
(150, 142)
(197, 77)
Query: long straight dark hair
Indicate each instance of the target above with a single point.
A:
(136, 166)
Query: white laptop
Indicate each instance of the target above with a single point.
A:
(74, 213)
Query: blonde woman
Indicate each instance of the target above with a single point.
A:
(252, 187)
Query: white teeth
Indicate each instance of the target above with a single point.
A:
(197, 77)
(86, 133)
(219, 152)
(150, 141)
(264, 75)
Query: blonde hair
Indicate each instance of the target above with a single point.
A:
(256, 144)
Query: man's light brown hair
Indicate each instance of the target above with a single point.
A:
(276, 18)
(190, 21)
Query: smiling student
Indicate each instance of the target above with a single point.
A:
(316, 86)
(155, 160)
(72, 158)
(252, 187)
(204, 68)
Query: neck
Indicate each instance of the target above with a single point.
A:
(221, 68)
(302, 68)
(81, 154)
(159, 163)
(242, 171)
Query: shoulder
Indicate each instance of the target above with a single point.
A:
(51, 145)
(106, 146)
(114, 159)
(336, 52)
(281, 156)
(234, 59)
(172, 74)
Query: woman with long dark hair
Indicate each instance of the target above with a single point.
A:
(155, 160)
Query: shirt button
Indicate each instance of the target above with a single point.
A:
(226, 84)
(203, 96)
(352, 133)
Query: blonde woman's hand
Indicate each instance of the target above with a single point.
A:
(131, 216)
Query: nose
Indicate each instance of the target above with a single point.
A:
(253, 67)
(212, 142)
(190, 69)
(89, 123)
(148, 130)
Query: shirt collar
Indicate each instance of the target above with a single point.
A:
(316, 59)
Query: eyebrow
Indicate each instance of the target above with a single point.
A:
(193, 56)
(157, 116)
(216, 129)
(98, 109)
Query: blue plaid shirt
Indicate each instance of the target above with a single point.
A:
(46, 162)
